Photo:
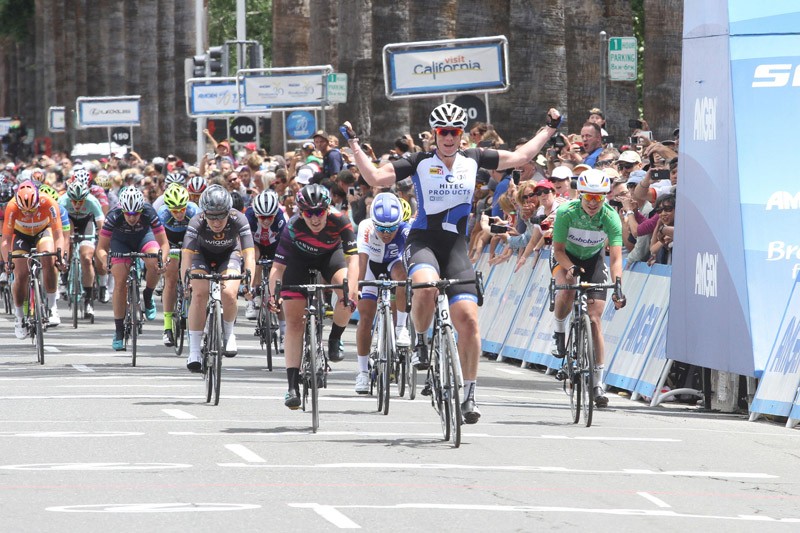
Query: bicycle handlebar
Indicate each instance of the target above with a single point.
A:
(137, 255)
(33, 255)
(311, 287)
(583, 286)
(442, 284)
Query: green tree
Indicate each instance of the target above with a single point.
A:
(258, 22)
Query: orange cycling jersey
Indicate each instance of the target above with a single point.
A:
(46, 215)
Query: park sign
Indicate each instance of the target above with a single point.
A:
(451, 66)
(108, 111)
(622, 58)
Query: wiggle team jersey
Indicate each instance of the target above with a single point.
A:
(235, 236)
(116, 224)
(46, 215)
(444, 195)
(90, 208)
(176, 229)
(377, 251)
(583, 235)
(298, 238)
(266, 237)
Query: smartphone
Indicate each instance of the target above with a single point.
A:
(635, 124)
(646, 134)
(516, 175)
(497, 228)
(608, 139)
(351, 191)
(660, 174)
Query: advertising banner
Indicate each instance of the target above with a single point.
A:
(108, 111)
(5, 125)
(56, 119)
(653, 368)
(541, 343)
(211, 96)
(500, 314)
(276, 91)
(521, 329)
(615, 321)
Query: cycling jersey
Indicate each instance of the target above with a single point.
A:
(90, 208)
(100, 195)
(176, 229)
(298, 238)
(444, 195)
(266, 237)
(46, 215)
(584, 235)
(234, 237)
(115, 223)
(158, 203)
(370, 243)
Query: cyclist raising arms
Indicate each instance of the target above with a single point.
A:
(132, 226)
(218, 239)
(32, 221)
(580, 231)
(381, 241)
(175, 215)
(444, 181)
(318, 237)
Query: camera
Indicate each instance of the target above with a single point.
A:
(660, 174)
(516, 175)
(556, 140)
(608, 139)
(498, 228)
(351, 191)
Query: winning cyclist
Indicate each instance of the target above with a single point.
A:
(175, 215)
(132, 226)
(381, 241)
(85, 216)
(267, 221)
(218, 239)
(318, 237)
(580, 231)
(32, 221)
(444, 181)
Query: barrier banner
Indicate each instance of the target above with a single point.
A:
(778, 385)
(637, 341)
(616, 321)
(651, 373)
(541, 343)
(491, 320)
(521, 330)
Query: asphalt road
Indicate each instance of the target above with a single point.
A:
(91, 444)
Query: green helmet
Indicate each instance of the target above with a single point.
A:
(47, 190)
(176, 196)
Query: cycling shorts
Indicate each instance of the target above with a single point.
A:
(594, 271)
(24, 243)
(230, 264)
(374, 271)
(297, 268)
(125, 243)
(84, 226)
(446, 253)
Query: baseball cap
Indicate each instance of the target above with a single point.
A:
(308, 145)
(251, 146)
(320, 133)
(611, 173)
(636, 176)
(544, 184)
(576, 171)
(304, 175)
(629, 156)
(561, 173)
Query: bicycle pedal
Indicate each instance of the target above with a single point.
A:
(426, 390)
(561, 375)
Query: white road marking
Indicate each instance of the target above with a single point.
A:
(657, 501)
(508, 371)
(569, 510)
(245, 453)
(82, 368)
(95, 466)
(153, 507)
(51, 349)
(177, 413)
(510, 468)
(70, 434)
(329, 513)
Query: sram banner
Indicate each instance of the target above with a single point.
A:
(427, 68)
(211, 96)
(108, 111)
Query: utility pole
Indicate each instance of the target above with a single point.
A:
(199, 48)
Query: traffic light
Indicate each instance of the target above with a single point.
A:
(200, 64)
(217, 61)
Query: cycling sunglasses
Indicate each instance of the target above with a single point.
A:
(265, 217)
(593, 197)
(133, 213)
(444, 132)
(217, 216)
(308, 213)
(387, 229)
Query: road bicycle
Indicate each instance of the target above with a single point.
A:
(134, 307)
(181, 313)
(38, 311)
(444, 381)
(314, 366)
(385, 356)
(213, 344)
(577, 369)
(267, 329)
(74, 280)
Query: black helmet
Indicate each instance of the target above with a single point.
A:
(313, 196)
(216, 201)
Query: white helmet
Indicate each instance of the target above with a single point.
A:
(81, 174)
(131, 199)
(266, 204)
(594, 181)
(448, 116)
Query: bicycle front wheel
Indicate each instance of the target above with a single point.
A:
(219, 346)
(133, 307)
(451, 386)
(74, 291)
(39, 314)
(311, 370)
(386, 359)
(572, 383)
(586, 358)
(439, 375)
(178, 331)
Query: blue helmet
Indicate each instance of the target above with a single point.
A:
(386, 210)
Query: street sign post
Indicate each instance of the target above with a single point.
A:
(337, 88)
(243, 129)
(56, 119)
(622, 58)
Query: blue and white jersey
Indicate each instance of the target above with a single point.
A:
(176, 229)
(377, 251)
(444, 195)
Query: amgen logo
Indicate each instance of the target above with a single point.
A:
(787, 354)
(705, 275)
(705, 119)
(783, 200)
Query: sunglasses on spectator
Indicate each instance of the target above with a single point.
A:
(593, 197)
(387, 229)
(444, 132)
(528, 196)
(309, 213)
(231, 180)
(604, 163)
(625, 166)
(541, 192)
(667, 208)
